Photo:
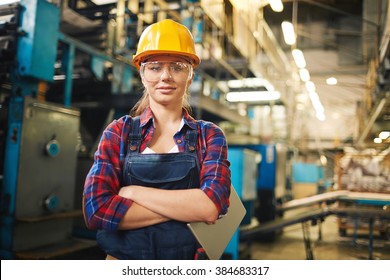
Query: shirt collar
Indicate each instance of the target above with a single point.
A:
(147, 116)
(188, 120)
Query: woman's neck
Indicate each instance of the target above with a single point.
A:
(167, 123)
(164, 114)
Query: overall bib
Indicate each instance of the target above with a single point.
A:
(169, 240)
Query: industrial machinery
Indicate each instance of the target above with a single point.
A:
(39, 139)
(329, 205)
(38, 203)
(244, 169)
(270, 179)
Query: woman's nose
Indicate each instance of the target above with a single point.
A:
(166, 74)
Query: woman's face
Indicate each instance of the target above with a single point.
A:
(166, 79)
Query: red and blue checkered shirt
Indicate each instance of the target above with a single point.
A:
(104, 208)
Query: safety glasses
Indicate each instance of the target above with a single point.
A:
(152, 71)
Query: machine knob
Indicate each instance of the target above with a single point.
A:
(51, 202)
(52, 148)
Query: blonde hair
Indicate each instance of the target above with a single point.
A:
(143, 103)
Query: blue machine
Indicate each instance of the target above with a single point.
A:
(265, 202)
(266, 182)
(267, 168)
(37, 47)
(266, 176)
(36, 55)
(41, 139)
(243, 167)
(307, 172)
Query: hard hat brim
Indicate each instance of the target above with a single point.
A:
(138, 59)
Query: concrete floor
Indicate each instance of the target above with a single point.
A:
(289, 244)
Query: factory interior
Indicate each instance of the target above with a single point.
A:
(299, 87)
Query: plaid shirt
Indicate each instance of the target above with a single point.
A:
(104, 208)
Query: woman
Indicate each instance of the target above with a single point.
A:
(158, 169)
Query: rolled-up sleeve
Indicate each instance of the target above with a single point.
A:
(215, 176)
(103, 207)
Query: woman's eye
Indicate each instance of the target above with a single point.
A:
(177, 68)
(155, 68)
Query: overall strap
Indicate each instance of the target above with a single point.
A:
(135, 136)
(191, 139)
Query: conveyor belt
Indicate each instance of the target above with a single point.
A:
(378, 199)
(369, 198)
(281, 223)
(320, 214)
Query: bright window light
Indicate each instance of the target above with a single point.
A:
(384, 135)
(316, 102)
(251, 82)
(304, 74)
(103, 2)
(320, 116)
(377, 140)
(252, 96)
(276, 5)
(331, 81)
(310, 86)
(6, 2)
(323, 160)
(288, 33)
(299, 58)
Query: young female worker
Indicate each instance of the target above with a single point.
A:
(158, 169)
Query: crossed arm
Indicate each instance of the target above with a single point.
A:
(151, 206)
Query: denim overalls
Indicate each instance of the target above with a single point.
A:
(169, 240)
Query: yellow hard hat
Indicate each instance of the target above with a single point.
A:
(166, 37)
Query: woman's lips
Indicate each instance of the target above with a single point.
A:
(166, 89)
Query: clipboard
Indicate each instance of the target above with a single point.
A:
(214, 238)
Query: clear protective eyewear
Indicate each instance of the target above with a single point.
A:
(152, 71)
